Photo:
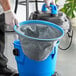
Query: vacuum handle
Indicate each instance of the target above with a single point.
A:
(53, 8)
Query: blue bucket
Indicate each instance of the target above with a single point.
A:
(29, 67)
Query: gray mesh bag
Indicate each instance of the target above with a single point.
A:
(38, 38)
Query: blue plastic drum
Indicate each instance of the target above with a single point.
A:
(28, 67)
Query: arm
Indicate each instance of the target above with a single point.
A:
(53, 2)
(47, 2)
(10, 17)
(60, 4)
(5, 4)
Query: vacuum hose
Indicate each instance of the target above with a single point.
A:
(69, 36)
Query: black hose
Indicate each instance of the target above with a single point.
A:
(16, 6)
(70, 36)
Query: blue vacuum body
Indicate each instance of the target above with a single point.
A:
(29, 67)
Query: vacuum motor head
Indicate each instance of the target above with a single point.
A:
(61, 19)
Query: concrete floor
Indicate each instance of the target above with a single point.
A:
(66, 63)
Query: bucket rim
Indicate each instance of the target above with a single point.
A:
(40, 22)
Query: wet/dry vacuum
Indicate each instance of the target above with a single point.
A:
(36, 49)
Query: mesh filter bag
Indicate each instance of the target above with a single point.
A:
(38, 39)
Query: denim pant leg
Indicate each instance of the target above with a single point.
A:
(3, 59)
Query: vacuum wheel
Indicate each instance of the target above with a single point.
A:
(56, 74)
(15, 75)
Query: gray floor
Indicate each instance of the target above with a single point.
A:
(66, 63)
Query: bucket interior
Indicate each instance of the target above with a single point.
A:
(38, 38)
(39, 30)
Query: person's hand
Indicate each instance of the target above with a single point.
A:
(47, 2)
(10, 18)
(48, 7)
